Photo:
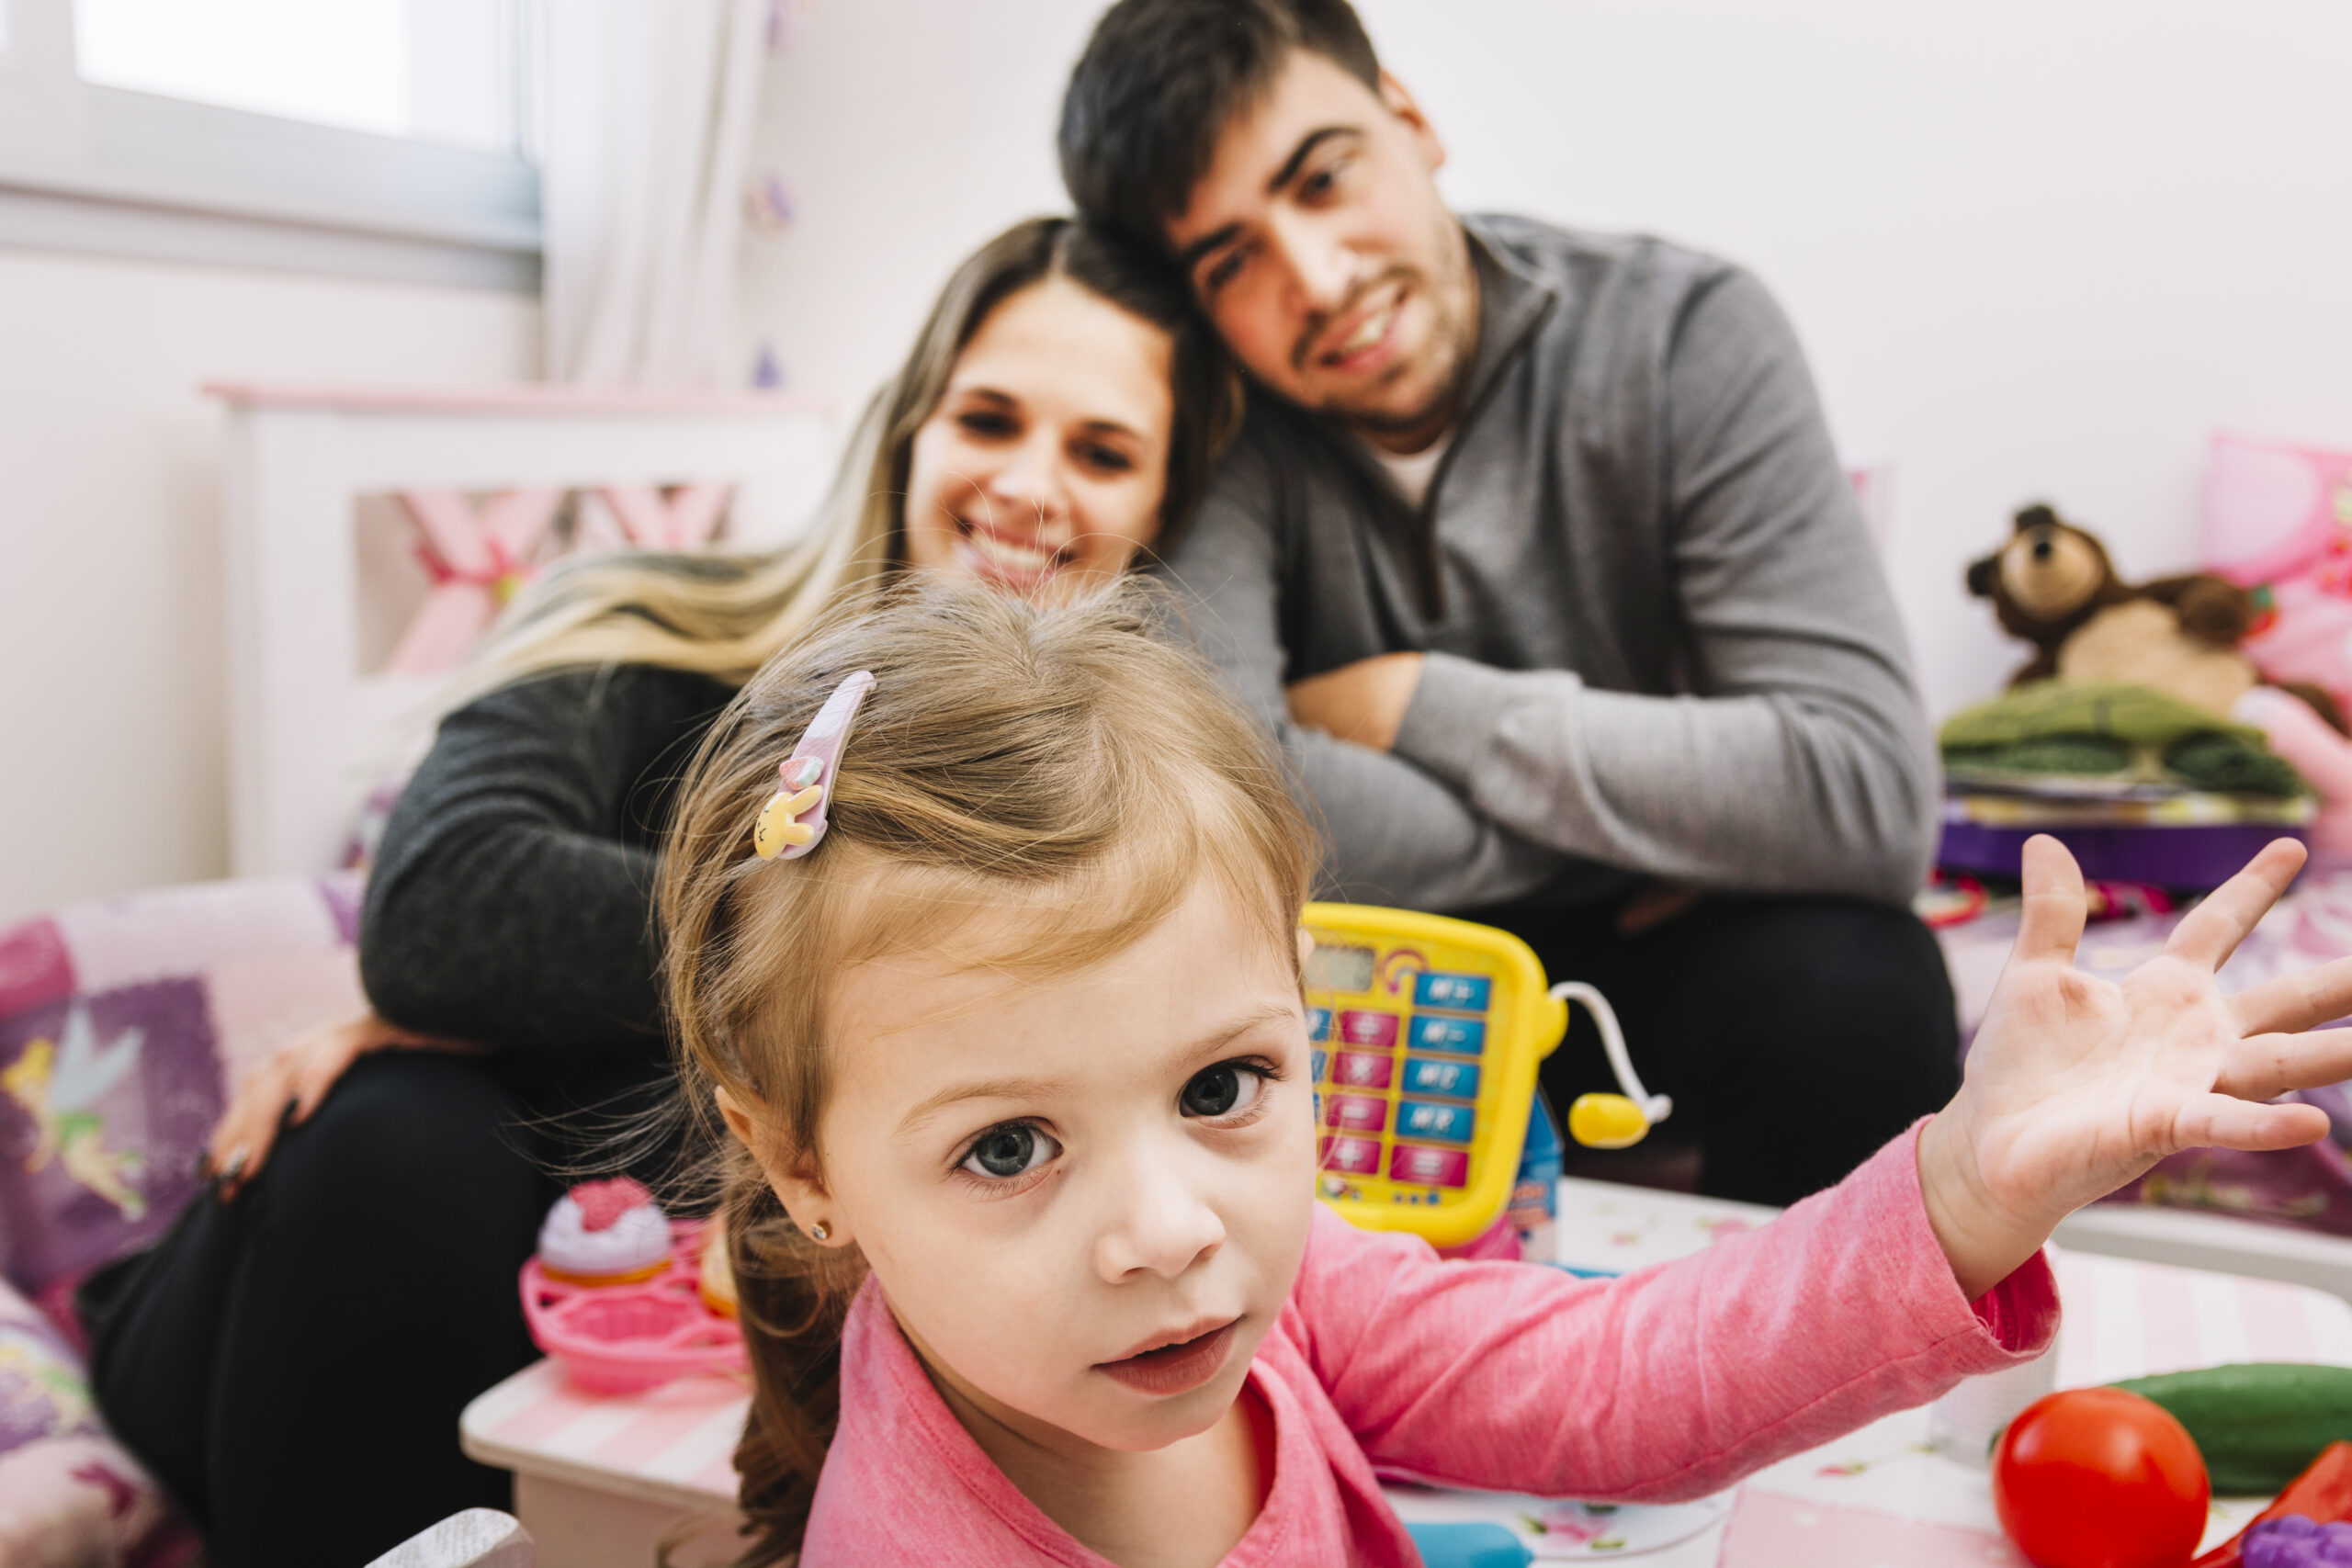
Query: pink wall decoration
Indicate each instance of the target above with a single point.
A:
(2278, 522)
(685, 517)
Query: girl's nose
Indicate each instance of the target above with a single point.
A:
(1163, 1224)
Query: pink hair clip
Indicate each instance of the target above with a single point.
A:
(793, 820)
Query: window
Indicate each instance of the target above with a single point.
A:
(381, 136)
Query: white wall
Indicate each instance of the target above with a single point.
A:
(2036, 248)
(110, 617)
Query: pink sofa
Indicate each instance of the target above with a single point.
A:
(123, 1024)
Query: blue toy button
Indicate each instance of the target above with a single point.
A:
(1463, 993)
(1320, 1058)
(1421, 1119)
(1319, 1024)
(1459, 1079)
(1480, 1545)
(1466, 1035)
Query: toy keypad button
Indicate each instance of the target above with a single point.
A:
(1429, 1168)
(1467, 1035)
(1362, 1028)
(1422, 1119)
(1459, 1079)
(1359, 1112)
(1356, 1070)
(1463, 993)
(1322, 1059)
(1319, 1024)
(1357, 1156)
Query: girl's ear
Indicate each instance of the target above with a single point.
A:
(797, 1185)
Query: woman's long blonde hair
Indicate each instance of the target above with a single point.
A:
(724, 615)
(1032, 789)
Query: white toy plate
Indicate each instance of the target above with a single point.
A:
(1558, 1530)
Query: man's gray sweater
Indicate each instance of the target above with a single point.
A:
(1658, 640)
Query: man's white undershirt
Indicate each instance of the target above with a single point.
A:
(1414, 470)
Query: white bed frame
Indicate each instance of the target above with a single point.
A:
(310, 732)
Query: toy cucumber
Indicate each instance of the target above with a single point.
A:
(2258, 1424)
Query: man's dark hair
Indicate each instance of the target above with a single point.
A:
(1158, 83)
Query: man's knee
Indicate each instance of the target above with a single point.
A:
(1861, 975)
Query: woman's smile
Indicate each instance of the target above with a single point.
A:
(1043, 467)
(1016, 561)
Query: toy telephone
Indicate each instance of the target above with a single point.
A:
(1427, 1033)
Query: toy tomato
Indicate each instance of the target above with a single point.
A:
(2100, 1478)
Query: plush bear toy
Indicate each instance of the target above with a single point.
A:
(2052, 585)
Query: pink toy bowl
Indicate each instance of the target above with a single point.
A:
(627, 1338)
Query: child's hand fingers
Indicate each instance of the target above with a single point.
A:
(2264, 1065)
(2298, 1001)
(2208, 934)
(2219, 1121)
(2051, 923)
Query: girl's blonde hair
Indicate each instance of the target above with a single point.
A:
(1028, 789)
(724, 615)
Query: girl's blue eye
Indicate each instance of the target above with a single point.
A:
(1013, 1150)
(1225, 1089)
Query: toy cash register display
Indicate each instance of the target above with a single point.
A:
(1427, 1033)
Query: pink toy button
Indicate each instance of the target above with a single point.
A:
(1361, 1112)
(1368, 1028)
(1429, 1168)
(1356, 1070)
(1356, 1157)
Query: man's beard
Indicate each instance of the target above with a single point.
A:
(1453, 300)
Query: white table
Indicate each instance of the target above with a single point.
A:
(599, 1481)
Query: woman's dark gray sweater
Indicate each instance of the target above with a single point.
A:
(511, 902)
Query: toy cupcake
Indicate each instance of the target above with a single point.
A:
(605, 1233)
(716, 1282)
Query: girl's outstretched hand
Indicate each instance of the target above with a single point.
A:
(2076, 1085)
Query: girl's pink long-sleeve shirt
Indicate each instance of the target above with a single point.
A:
(1668, 1384)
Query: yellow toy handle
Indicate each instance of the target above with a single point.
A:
(1610, 1121)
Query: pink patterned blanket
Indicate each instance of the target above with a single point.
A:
(123, 1024)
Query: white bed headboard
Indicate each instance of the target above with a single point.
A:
(316, 718)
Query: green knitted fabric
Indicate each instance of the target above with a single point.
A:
(2131, 734)
(2227, 765)
(2132, 714)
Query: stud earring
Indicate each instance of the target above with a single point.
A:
(820, 1231)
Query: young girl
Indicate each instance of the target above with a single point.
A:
(1021, 1200)
(1054, 418)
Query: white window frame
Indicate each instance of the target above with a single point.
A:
(90, 168)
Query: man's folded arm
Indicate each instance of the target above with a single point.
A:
(1802, 761)
(1393, 834)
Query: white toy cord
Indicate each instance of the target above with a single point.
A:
(1654, 1108)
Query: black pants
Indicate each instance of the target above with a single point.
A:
(1796, 1036)
(292, 1364)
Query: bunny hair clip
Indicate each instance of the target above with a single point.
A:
(793, 820)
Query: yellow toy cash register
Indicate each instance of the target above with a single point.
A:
(1427, 1033)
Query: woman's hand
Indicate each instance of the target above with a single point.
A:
(2076, 1085)
(285, 1089)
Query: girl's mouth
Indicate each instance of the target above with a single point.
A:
(1175, 1369)
(1015, 561)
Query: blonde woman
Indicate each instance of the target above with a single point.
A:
(354, 1268)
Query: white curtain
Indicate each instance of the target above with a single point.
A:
(650, 111)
